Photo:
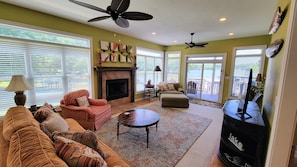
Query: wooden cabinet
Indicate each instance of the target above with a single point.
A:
(242, 141)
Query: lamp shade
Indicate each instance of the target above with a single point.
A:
(17, 84)
(157, 68)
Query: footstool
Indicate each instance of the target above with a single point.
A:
(174, 100)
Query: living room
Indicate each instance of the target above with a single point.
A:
(34, 18)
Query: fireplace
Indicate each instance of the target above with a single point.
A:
(116, 88)
(106, 74)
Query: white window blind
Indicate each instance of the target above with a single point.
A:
(147, 60)
(52, 70)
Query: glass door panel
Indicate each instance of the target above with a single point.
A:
(205, 79)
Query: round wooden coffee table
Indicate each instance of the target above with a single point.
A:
(138, 118)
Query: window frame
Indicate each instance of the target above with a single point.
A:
(261, 68)
(155, 55)
(28, 73)
(166, 65)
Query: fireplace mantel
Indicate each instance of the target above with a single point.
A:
(103, 71)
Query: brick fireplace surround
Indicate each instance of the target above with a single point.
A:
(112, 73)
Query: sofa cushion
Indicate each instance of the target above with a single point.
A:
(77, 154)
(29, 146)
(17, 118)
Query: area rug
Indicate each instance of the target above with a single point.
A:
(177, 131)
(206, 103)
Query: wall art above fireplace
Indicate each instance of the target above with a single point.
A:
(115, 52)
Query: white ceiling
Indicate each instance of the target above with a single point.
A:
(173, 20)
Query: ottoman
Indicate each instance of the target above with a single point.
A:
(174, 100)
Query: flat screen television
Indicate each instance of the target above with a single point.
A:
(243, 103)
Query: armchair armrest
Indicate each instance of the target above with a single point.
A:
(97, 102)
(180, 90)
(76, 112)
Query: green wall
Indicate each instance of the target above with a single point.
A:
(274, 66)
(30, 17)
(22, 15)
(222, 46)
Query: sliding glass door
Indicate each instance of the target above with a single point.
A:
(203, 77)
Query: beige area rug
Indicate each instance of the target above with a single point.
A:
(177, 141)
(206, 103)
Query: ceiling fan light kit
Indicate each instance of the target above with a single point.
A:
(116, 11)
(195, 45)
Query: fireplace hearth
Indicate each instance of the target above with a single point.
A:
(116, 88)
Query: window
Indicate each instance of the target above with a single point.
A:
(172, 67)
(246, 58)
(53, 64)
(146, 61)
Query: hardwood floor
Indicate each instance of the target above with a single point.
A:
(215, 161)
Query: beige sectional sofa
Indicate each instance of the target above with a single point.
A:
(23, 143)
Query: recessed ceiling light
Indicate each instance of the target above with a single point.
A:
(231, 33)
(154, 33)
(223, 19)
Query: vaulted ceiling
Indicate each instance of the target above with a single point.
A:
(173, 20)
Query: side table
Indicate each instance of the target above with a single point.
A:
(149, 91)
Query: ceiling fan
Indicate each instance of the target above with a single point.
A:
(195, 45)
(117, 11)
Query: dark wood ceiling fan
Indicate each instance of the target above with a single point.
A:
(195, 45)
(117, 11)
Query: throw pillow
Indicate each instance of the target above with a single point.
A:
(50, 120)
(88, 138)
(76, 154)
(171, 87)
(163, 87)
(82, 101)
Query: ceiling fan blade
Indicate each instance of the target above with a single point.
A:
(122, 22)
(99, 18)
(199, 46)
(119, 6)
(202, 43)
(136, 16)
(88, 6)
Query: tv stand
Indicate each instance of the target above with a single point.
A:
(242, 140)
(243, 116)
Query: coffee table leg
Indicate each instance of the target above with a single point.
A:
(147, 136)
(118, 127)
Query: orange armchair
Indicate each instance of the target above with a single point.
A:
(92, 116)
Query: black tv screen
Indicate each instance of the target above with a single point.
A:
(243, 104)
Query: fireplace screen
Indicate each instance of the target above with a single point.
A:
(117, 88)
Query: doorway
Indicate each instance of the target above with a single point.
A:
(204, 76)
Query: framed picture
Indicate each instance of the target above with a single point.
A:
(122, 47)
(114, 57)
(114, 46)
(104, 45)
(105, 57)
(122, 58)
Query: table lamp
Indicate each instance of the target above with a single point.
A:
(18, 84)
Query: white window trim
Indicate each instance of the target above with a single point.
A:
(91, 58)
(166, 64)
(263, 47)
(224, 55)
